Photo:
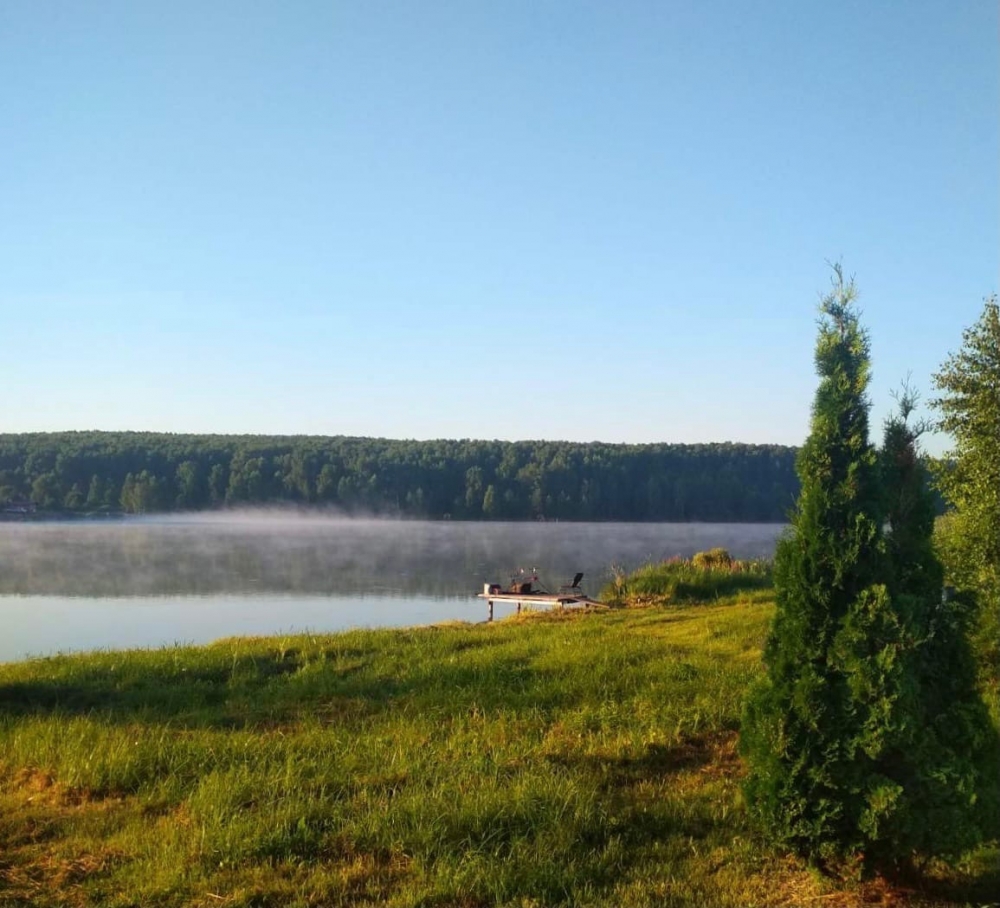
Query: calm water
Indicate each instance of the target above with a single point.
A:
(150, 582)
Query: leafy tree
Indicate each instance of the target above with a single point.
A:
(490, 502)
(326, 484)
(189, 485)
(969, 405)
(46, 490)
(247, 480)
(141, 494)
(149, 492)
(74, 497)
(473, 489)
(348, 493)
(300, 481)
(128, 495)
(808, 785)
(217, 483)
(95, 492)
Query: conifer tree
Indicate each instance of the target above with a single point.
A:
(909, 508)
(867, 742)
(935, 752)
(801, 735)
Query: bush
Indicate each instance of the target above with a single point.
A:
(713, 558)
(705, 577)
(970, 480)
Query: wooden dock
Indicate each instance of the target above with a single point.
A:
(550, 600)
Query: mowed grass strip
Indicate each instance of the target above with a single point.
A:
(576, 759)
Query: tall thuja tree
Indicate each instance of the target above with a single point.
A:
(806, 787)
(969, 384)
(940, 752)
(908, 505)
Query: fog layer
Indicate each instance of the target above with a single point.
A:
(264, 553)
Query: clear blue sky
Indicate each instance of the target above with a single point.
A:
(503, 220)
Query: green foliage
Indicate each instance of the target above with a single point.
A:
(141, 494)
(908, 506)
(969, 405)
(867, 742)
(801, 731)
(705, 577)
(46, 491)
(713, 558)
(88, 471)
(941, 751)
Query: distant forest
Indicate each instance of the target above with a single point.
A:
(138, 472)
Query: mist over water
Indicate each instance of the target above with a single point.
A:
(153, 581)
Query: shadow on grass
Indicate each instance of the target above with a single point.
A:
(658, 761)
(980, 886)
(155, 693)
(267, 689)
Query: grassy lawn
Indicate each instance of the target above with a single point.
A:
(577, 759)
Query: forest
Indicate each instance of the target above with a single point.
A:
(140, 472)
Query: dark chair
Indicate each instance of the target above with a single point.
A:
(573, 586)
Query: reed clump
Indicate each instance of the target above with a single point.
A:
(705, 577)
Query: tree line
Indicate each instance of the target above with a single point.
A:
(138, 472)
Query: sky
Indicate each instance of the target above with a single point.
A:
(540, 219)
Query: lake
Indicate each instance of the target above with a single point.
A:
(85, 585)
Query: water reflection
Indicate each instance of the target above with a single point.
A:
(40, 625)
(83, 585)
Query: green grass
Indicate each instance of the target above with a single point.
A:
(707, 577)
(564, 759)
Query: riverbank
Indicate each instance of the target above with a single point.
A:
(577, 758)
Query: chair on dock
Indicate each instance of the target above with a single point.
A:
(573, 586)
